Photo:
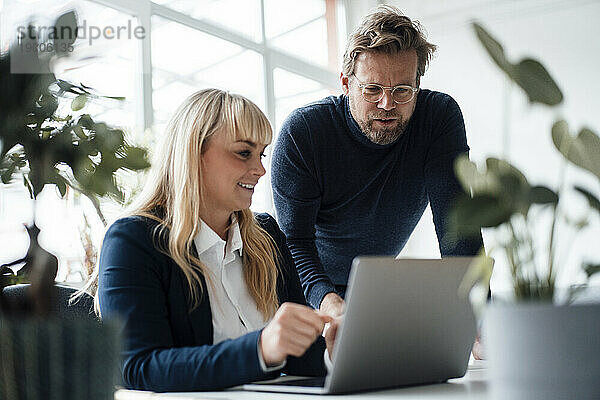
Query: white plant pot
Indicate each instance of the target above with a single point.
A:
(541, 351)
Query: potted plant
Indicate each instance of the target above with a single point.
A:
(540, 345)
(42, 356)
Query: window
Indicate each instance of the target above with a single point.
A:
(280, 54)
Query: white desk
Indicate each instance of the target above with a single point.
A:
(472, 386)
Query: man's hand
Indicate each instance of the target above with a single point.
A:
(291, 332)
(330, 334)
(478, 350)
(332, 305)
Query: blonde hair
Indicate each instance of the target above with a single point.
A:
(387, 30)
(173, 195)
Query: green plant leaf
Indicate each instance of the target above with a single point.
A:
(61, 119)
(47, 106)
(481, 211)
(79, 132)
(67, 87)
(590, 142)
(560, 137)
(120, 98)
(537, 82)
(514, 188)
(59, 182)
(542, 195)
(529, 74)
(479, 272)
(78, 102)
(466, 172)
(135, 159)
(471, 179)
(583, 150)
(493, 47)
(7, 173)
(592, 200)
(11, 163)
(591, 269)
(504, 168)
(86, 121)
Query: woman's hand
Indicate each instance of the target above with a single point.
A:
(291, 332)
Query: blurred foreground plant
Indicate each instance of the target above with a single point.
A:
(43, 147)
(500, 196)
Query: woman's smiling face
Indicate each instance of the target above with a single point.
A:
(230, 170)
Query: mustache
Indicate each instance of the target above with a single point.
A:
(384, 115)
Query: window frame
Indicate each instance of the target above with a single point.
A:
(272, 57)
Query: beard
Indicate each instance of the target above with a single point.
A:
(381, 136)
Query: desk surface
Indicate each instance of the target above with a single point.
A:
(472, 386)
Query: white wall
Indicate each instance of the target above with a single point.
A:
(563, 35)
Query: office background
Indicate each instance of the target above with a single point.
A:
(285, 53)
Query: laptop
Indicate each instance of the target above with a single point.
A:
(405, 324)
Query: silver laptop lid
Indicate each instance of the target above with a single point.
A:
(405, 324)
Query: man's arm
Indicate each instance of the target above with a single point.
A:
(297, 197)
(442, 186)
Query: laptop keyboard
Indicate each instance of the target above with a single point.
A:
(309, 382)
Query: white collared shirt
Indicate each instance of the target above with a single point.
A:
(234, 311)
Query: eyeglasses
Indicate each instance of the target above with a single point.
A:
(373, 93)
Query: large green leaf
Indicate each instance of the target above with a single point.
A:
(472, 180)
(561, 138)
(499, 192)
(68, 87)
(465, 171)
(529, 74)
(47, 106)
(542, 195)
(592, 200)
(59, 181)
(493, 47)
(583, 150)
(7, 172)
(482, 211)
(504, 168)
(11, 163)
(591, 269)
(537, 82)
(135, 159)
(514, 187)
(590, 158)
(78, 102)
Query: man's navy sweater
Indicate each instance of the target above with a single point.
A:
(338, 195)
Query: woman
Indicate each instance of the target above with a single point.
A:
(207, 291)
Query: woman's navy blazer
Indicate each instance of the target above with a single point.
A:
(168, 346)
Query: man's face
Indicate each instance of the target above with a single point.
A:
(382, 122)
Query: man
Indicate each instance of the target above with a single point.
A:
(353, 174)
